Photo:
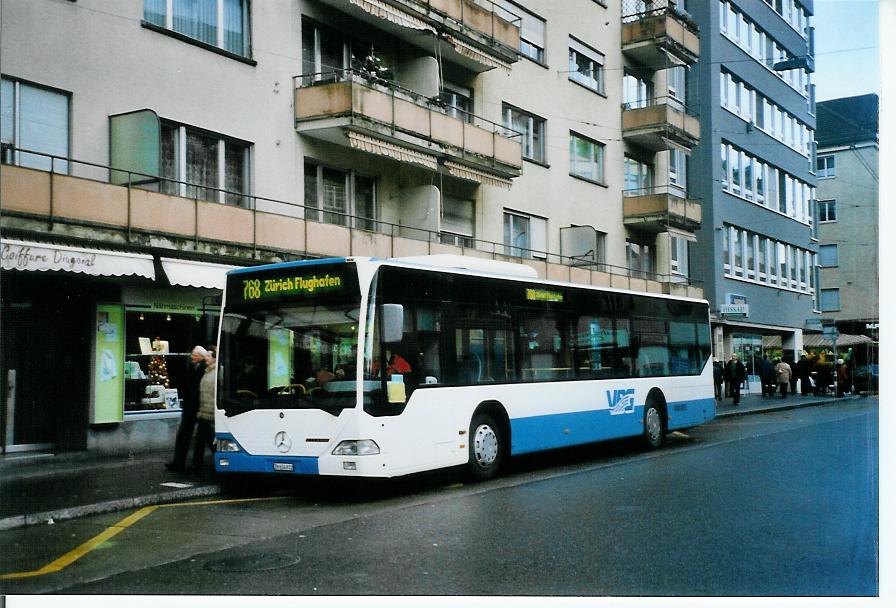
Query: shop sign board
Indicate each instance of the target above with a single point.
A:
(108, 374)
(734, 310)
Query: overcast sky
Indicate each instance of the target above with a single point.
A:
(844, 63)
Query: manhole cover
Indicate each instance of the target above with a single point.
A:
(252, 563)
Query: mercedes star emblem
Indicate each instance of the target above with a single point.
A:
(282, 441)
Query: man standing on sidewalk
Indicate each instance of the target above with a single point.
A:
(782, 373)
(736, 374)
(190, 396)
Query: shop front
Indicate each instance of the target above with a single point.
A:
(751, 342)
(95, 344)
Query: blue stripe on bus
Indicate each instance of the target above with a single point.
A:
(552, 431)
(287, 265)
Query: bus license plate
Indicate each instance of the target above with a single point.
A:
(283, 466)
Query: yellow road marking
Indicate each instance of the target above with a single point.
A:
(77, 553)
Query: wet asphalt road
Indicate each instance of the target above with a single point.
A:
(781, 504)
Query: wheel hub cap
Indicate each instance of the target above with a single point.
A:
(485, 445)
(653, 424)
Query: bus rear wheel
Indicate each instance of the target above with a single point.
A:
(654, 426)
(486, 447)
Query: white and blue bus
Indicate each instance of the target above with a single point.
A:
(386, 367)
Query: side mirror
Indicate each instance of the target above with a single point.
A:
(393, 323)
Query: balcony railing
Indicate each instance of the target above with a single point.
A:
(652, 28)
(657, 208)
(499, 24)
(660, 123)
(478, 34)
(83, 197)
(383, 107)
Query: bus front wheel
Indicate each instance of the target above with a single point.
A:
(486, 447)
(654, 426)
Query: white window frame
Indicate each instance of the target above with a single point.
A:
(43, 163)
(594, 58)
(828, 205)
(536, 235)
(597, 158)
(826, 166)
(351, 211)
(219, 26)
(532, 150)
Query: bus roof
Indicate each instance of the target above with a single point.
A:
(456, 264)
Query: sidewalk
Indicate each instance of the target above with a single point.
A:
(35, 489)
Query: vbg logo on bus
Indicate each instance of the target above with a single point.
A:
(621, 401)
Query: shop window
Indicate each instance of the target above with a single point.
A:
(157, 355)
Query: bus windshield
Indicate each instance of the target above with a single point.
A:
(293, 351)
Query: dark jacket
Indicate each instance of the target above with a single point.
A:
(802, 368)
(766, 370)
(736, 372)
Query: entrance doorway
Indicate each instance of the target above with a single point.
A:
(44, 362)
(749, 349)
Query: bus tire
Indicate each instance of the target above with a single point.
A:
(486, 447)
(654, 425)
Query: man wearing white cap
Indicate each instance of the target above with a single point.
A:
(189, 392)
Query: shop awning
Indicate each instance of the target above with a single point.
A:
(195, 274)
(41, 257)
(373, 145)
(820, 341)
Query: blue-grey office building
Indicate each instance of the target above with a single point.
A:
(756, 249)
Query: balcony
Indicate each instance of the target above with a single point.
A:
(476, 34)
(81, 204)
(350, 109)
(658, 208)
(659, 124)
(659, 36)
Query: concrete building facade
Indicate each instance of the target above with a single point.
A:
(849, 226)
(754, 173)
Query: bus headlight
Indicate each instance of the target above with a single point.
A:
(357, 447)
(226, 445)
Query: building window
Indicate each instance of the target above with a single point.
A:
(825, 166)
(324, 54)
(37, 119)
(586, 66)
(678, 168)
(636, 92)
(220, 23)
(641, 259)
(457, 102)
(525, 235)
(458, 221)
(532, 30)
(586, 158)
(828, 255)
(829, 299)
(827, 211)
(676, 82)
(202, 165)
(333, 196)
(637, 176)
(679, 255)
(532, 129)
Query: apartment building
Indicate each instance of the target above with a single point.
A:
(848, 219)
(150, 145)
(754, 173)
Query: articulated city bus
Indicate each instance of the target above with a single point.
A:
(385, 367)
